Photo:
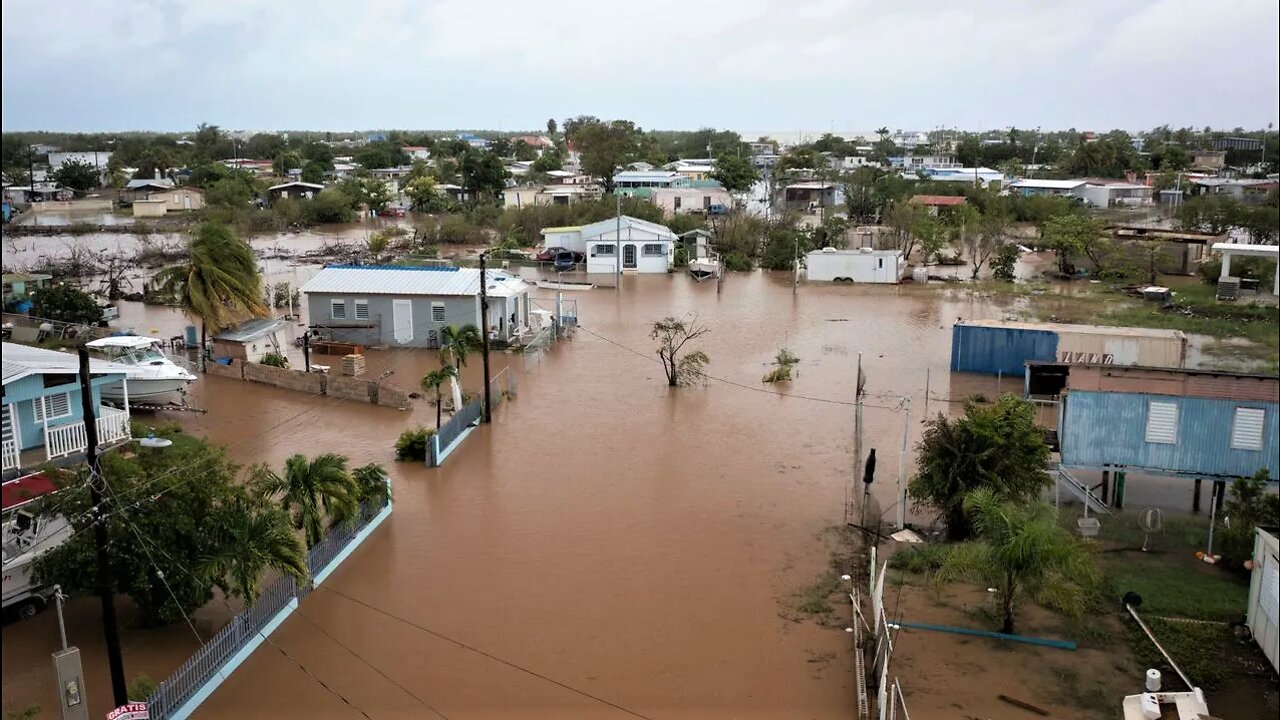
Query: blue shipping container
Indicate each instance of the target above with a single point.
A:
(993, 350)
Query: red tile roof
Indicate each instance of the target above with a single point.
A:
(25, 489)
(939, 200)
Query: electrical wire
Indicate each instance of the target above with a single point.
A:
(488, 655)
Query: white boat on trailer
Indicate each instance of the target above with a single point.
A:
(705, 267)
(153, 377)
(703, 261)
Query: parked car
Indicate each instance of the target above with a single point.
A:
(394, 212)
(550, 254)
(565, 261)
(717, 209)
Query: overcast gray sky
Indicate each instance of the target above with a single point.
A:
(749, 65)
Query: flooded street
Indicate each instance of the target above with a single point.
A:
(637, 543)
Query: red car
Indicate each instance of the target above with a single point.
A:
(394, 212)
(549, 255)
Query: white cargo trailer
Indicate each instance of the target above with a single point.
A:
(859, 266)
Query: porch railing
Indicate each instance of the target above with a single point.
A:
(64, 440)
(11, 460)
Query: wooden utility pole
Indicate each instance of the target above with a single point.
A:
(857, 435)
(484, 336)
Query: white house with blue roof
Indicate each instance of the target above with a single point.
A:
(43, 414)
(397, 306)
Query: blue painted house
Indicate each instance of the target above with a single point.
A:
(1186, 423)
(42, 410)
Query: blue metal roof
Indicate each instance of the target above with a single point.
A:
(428, 268)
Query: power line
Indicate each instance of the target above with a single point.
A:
(370, 665)
(488, 655)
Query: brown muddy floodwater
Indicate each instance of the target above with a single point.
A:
(639, 543)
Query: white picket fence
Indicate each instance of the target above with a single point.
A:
(63, 440)
(11, 459)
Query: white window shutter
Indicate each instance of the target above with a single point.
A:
(1246, 430)
(1162, 422)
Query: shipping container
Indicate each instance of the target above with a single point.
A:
(1002, 346)
(862, 266)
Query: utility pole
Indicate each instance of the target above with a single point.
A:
(857, 430)
(484, 336)
(617, 245)
(306, 349)
(902, 462)
(106, 582)
(31, 171)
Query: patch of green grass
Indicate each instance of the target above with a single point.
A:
(1175, 590)
(815, 598)
(1199, 649)
(918, 558)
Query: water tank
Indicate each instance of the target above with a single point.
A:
(920, 274)
(1153, 680)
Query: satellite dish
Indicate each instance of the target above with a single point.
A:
(151, 441)
(1151, 520)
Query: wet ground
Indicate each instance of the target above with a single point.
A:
(609, 543)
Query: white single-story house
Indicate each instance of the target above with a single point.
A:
(251, 340)
(548, 195)
(1033, 187)
(628, 182)
(646, 247)
(394, 305)
(178, 199)
(690, 199)
(861, 266)
(1108, 194)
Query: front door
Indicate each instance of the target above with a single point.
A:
(402, 320)
(628, 256)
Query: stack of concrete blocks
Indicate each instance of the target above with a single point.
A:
(352, 365)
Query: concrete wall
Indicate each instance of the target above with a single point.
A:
(379, 328)
(61, 206)
(150, 208)
(346, 388)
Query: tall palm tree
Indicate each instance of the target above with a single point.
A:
(1020, 551)
(432, 382)
(312, 490)
(455, 345)
(219, 283)
(252, 537)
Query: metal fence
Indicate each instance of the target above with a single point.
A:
(187, 680)
(449, 432)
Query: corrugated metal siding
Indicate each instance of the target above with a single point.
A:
(1102, 428)
(1122, 349)
(991, 350)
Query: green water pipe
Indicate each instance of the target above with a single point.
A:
(1046, 642)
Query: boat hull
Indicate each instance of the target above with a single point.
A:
(701, 271)
(148, 390)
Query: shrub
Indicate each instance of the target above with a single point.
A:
(412, 444)
(783, 362)
(66, 303)
(275, 359)
(1002, 265)
(329, 206)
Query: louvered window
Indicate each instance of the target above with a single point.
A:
(1246, 430)
(1162, 422)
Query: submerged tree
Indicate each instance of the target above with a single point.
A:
(681, 367)
(783, 362)
(456, 343)
(1021, 552)
(997, 446)
(219, 283)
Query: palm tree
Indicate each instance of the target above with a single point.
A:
(1020, 552)
(219, 283)
(432, 382)
(371, 484)
(455, 345)
(312, 490)
(252, 537)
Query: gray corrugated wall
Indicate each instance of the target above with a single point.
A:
(458, 311)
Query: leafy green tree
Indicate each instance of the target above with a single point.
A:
(366, 191)
(312, 491)
(425, 195)
(318, 152)
(78, 176)
(997, 446)
(219, 282)
(249, 537)
(312, 172)
(605, 146)
(524, 151)
(191, 492)
(1022, 552)
(903, 220)
(483, 174)
(931, 233)
(229, 192)
(735, 173)
(372, 486)
(1249, 507)
(330, 205)
(782, 246)
(548, 161)
(681, 366)
(1006, 258)
(433, 381)
(66, 303)
(286, 161)
(1071, 236)
(381, 154)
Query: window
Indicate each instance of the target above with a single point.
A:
(598, 250)
(437, 312)
(652, 249)
(1162, 422)
(338, 309)
(1246, 429)
(59, 406)
(362, 309)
